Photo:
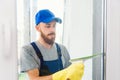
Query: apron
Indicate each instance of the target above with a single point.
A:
(48, 67)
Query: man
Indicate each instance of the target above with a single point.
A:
(44, 59)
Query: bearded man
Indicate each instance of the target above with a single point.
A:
(43, 58)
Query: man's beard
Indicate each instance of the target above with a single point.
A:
(46, 39)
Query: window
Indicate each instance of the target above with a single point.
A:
(81, 31)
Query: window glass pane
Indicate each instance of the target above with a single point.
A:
(81, 30)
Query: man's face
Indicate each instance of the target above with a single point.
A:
(47, 31)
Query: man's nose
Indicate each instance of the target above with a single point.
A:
(52, 29)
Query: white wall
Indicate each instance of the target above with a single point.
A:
(113, 40)
(8, 36)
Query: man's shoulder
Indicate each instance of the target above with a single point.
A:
(27, 47)
(61, 46)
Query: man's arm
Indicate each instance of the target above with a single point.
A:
(73, 72)
(34, 75)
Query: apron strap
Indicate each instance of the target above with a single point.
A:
(60, 56)
(58, 50)
(38, 52)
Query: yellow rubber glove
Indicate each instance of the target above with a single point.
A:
(73, 72)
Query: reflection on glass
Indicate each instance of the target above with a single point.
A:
(81, 31)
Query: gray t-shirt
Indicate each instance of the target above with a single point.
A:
(29, 60)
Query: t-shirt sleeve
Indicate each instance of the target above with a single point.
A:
(27, 60)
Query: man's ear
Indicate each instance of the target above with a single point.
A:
(37, 28)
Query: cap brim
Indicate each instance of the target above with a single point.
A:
(53, 18)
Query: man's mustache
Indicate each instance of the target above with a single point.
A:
(51, 33)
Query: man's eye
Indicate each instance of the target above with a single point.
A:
(54, 26)
(47, 26)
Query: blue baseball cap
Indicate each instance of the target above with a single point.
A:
(46, 16)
